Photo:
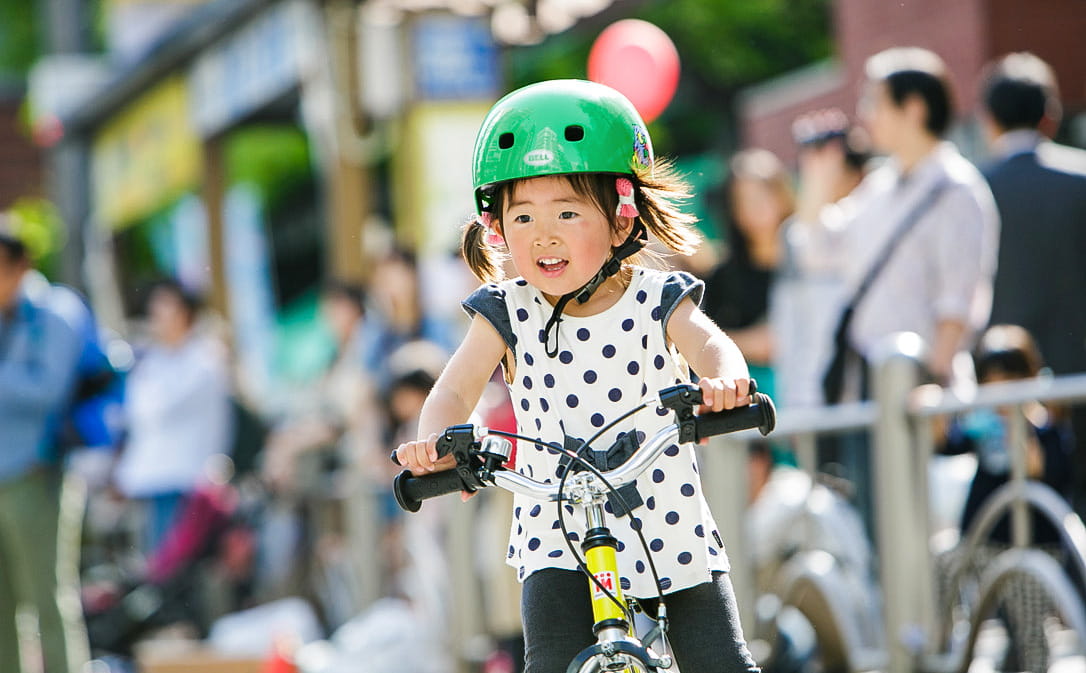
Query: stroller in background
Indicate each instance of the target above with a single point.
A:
(211, 534)
(214, 533)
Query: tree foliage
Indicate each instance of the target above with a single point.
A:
(723, 46)
(732, 43)
(19, 43)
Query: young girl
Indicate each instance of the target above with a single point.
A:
(1009, 353)
(566, 185)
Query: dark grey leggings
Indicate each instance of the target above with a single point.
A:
(704, 632)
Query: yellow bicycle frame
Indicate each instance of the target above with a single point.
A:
(599, 546)
(602, 564)
(600, 559)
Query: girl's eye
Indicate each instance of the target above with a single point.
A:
(522, 219)
(567, 215)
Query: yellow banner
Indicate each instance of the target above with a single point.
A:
(433, 173)
(146, 156)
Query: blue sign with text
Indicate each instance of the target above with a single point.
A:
(455, 58)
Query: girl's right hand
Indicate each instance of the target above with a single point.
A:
(420, 456)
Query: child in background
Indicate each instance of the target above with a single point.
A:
(1008, 353)
(566, 185)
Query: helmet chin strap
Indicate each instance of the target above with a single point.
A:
(633, 244)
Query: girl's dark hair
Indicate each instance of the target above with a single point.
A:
(190, 300)
(912, 71)
(347, 290)
(1007, 349)
(658, 192)
(12, 246)
(764, 167)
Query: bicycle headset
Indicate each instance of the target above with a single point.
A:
(559, 127)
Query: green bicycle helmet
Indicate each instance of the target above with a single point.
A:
(556, 127)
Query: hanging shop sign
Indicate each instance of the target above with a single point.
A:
(433, 176)
(252, 67)
(454, 58)
(145, 156)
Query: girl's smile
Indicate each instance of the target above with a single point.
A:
(552, 266)
(558, 239)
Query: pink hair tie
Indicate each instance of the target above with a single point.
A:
(627, 207)
(491, 237)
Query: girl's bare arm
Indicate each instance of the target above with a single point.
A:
(454, 395)
(714, 357)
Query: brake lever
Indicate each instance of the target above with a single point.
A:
(683, 399)
(456, 440)
(459, 441)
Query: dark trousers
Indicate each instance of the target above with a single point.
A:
(41, 516)
(704, 634)
(1077, 414)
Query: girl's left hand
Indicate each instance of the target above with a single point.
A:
(720, 393)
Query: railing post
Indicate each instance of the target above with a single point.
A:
(1018, 446)
(901, 504)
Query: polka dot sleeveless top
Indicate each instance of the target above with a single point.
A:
(606, 364)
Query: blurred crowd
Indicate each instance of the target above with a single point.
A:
(197, 507)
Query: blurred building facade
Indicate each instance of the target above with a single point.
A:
(966, 34)
(254, 148)
(20, 162)
(229, 146)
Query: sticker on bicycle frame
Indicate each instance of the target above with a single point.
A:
(608, 580)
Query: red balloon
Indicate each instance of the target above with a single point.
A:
(640, 61)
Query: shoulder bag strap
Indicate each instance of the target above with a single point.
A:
(906, 225)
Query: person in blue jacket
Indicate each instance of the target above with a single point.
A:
(40, 512)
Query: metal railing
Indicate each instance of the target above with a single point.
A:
(900, 419)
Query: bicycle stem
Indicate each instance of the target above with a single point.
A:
(625, 473)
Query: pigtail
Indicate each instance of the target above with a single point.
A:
(484, 257)
(660, 195)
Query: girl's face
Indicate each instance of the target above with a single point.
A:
(557, 238)
(341, 316)
(758, 210)
(169, 319)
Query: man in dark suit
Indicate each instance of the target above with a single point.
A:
(1040, 190)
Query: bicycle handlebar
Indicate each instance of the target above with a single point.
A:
(760, 414)
(410, 490)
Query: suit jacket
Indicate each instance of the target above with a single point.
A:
(1040, 280)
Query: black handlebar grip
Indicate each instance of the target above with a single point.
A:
(759, 414)
(411, 490)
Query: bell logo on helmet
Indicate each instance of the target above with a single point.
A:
(539, 157)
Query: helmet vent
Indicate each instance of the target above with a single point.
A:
(505, 140)
(574, 132)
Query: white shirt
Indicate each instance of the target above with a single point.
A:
(178, 414)
(606, 364)
(941, 269)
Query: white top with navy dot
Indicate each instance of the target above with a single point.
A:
(606, 364)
